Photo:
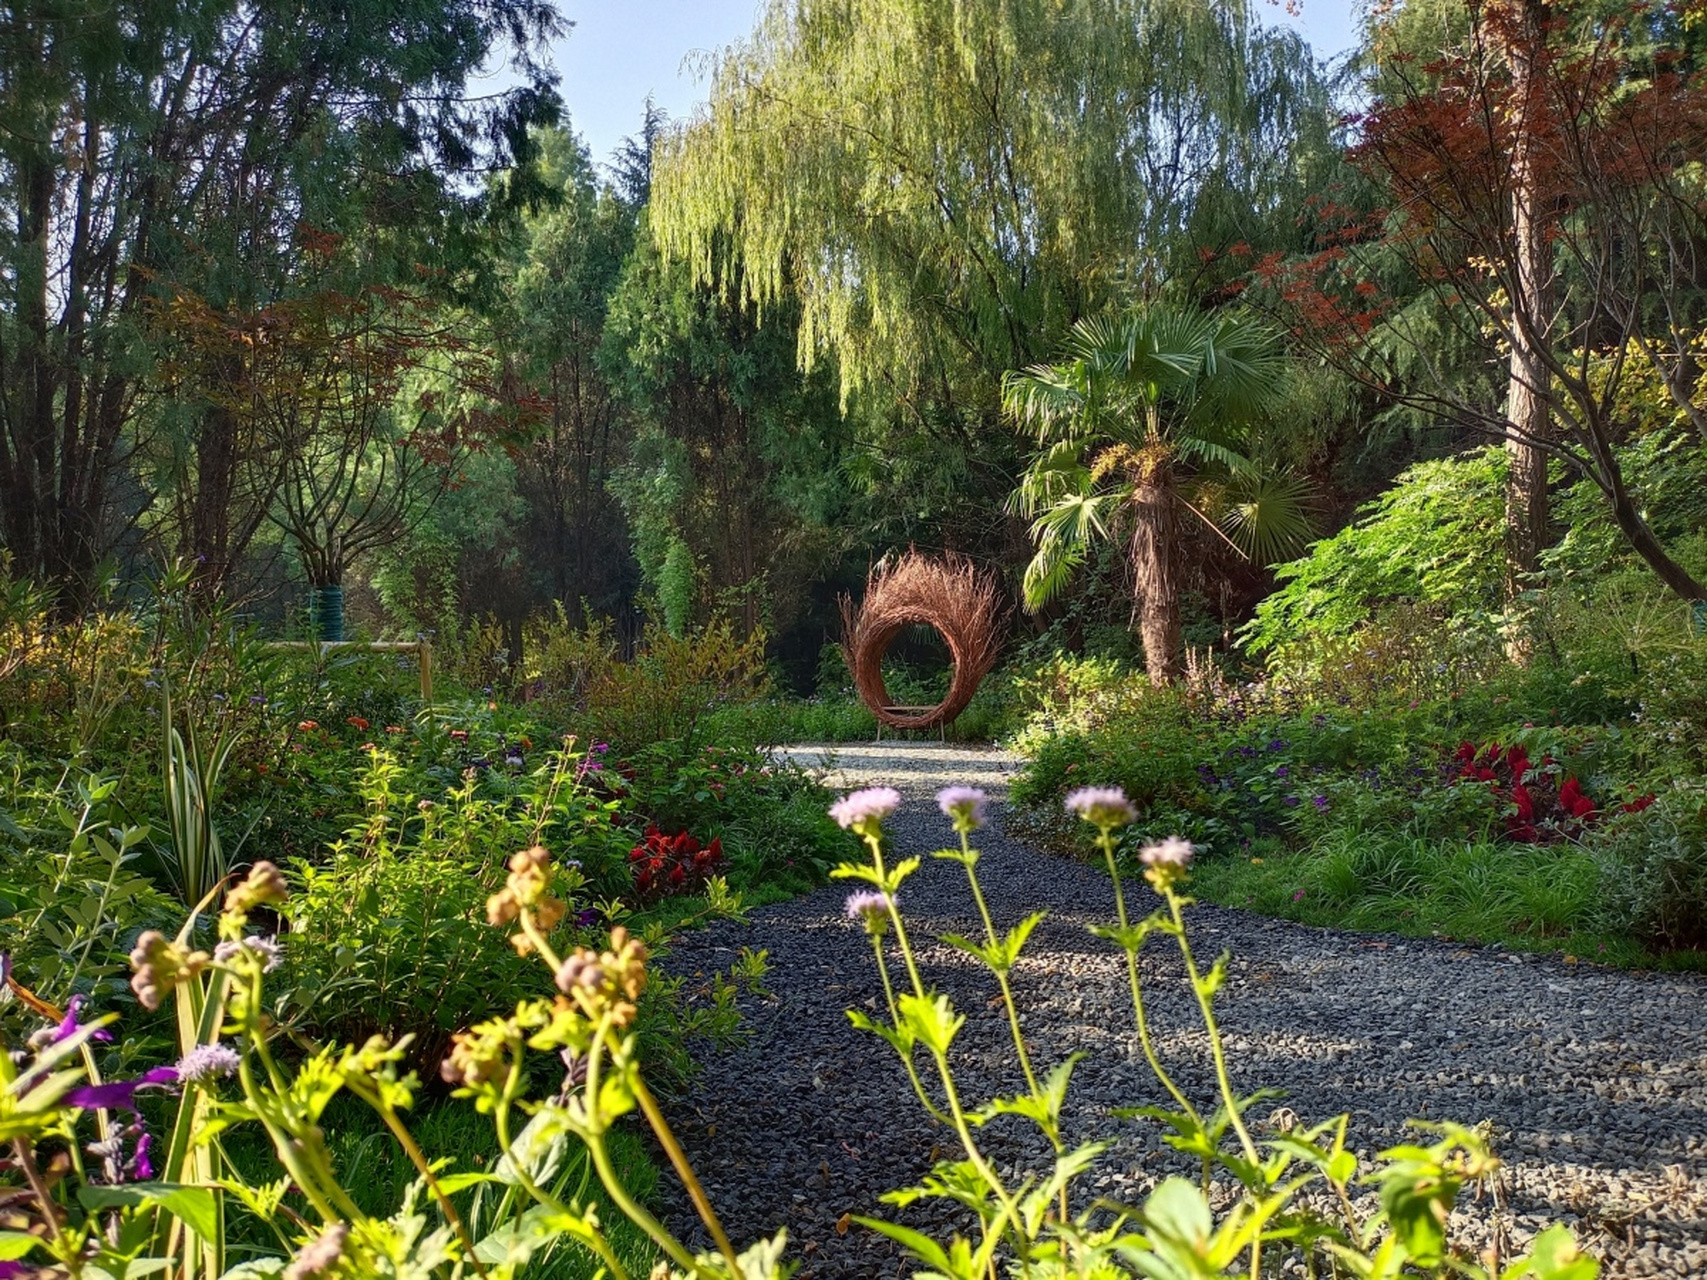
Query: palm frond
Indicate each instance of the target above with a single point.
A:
(1202, 449)
(1078, 516)
(1268, 516)
(1047, 397)
(1052, 475)
(1050, 570)
(1243, 368)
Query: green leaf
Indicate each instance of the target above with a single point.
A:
(1554, 1256)
(15, 1244)
(540, 1149)
(976, 949)
(918, 1244)
(932, 1020)
(1179, 1226)
(1016, 936)
(196, 1207)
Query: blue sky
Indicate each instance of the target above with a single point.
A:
(621, 50)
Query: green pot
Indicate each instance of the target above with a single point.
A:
(326, 613)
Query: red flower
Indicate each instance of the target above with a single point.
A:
(1525, 802)
(1573, 800)
(358, 722)
(677, 875)
(1639, 803)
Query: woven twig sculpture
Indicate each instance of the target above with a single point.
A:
(948, 593)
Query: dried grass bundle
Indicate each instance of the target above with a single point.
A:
(948, 593)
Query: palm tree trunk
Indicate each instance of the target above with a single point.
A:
(1155, 577)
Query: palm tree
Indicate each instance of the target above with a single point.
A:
(1148, 421)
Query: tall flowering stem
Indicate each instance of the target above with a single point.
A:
(1109, 811)
(862, 812)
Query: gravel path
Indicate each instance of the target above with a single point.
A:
(1594, 1080)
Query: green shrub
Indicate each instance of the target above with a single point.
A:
(71, 898)
(1434, 538)
(1654, 870)
(388, 935)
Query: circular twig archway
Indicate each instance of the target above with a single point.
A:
(948, 593)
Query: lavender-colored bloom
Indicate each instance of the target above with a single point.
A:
(1321, 803)
(1282, 772)
(1105, 806)
(871, 909)
(1291, 802)
(206, 1061)
(1278, 744)
(865, 902)
(964, 804)
(118, 1095)
(587, 917)
(320, 1255)
(265, 945)
(1172, 852)
(873, 804)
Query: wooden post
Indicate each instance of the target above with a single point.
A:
(425, 652)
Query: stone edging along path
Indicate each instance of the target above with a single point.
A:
(1594, 1081)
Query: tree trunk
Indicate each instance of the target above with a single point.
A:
(1155, 578)
(1527, 407)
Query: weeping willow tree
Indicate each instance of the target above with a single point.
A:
(947, 185)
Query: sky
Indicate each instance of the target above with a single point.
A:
(620, 50)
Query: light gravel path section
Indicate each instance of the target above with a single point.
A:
(1593, 1081)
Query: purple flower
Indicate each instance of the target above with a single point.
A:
(70, 1025)
(1282, 772)
(115, 1166)
(871, 909)
(871, 805)
(1291, 802)
(141, 1168)
(1107, 807)
(1172, 852)
(264, 945)
(1321, 803)
(118, 1095)
(587, 917)
(966, 805)
(206, 1061)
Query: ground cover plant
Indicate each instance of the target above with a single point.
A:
(1387, 1215)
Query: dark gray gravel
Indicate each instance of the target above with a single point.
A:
(1594, 1081)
